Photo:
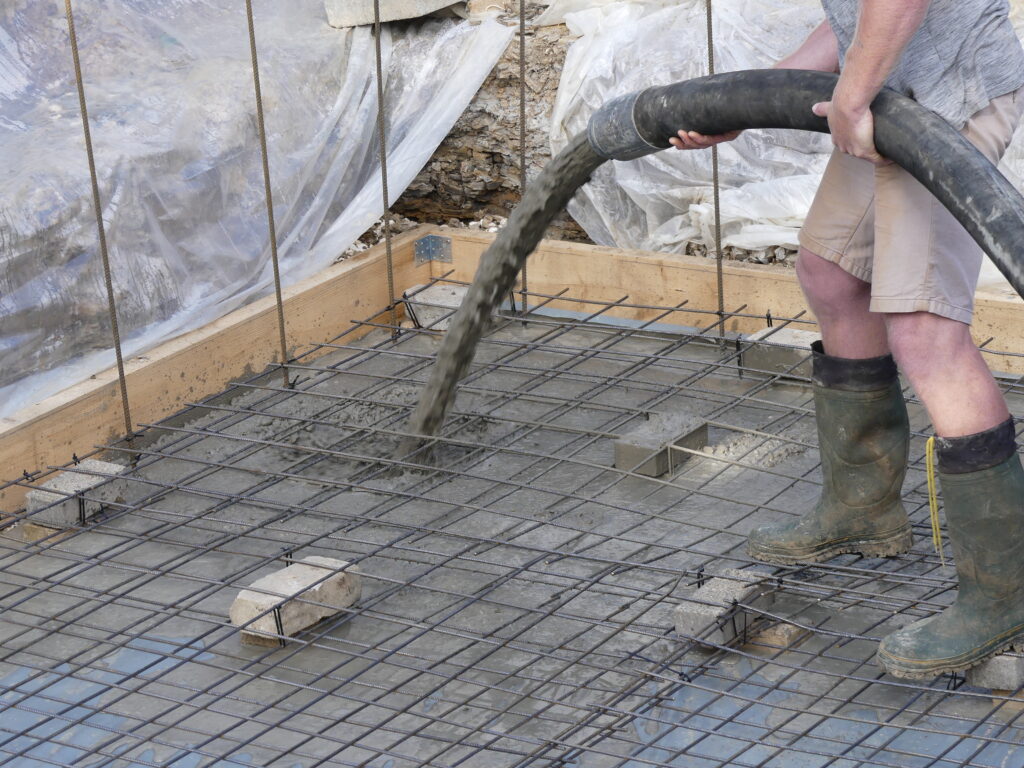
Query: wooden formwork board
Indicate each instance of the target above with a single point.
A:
(607, 274)
(206, 361)
(203, 362)
(600, 274)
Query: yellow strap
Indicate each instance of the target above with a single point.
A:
(933, 497)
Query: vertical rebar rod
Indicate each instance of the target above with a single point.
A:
(101, 231)
(270, 200)
(382, 139)
(524, 293)
(715, 186)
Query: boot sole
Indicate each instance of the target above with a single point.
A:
(948, 666)
(886, 545)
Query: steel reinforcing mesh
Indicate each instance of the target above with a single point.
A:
(518, 591)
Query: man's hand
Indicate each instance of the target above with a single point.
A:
(883, 30)
(853, 130)
(694, 140)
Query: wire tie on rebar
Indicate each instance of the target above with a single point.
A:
(74, 458)
(81, 510)
(732, 617)
(279, 624)
(768, 317)
(726, 618)
(954, 680)
(134, 458)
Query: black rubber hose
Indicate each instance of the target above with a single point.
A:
(641, 123)
(960, 177)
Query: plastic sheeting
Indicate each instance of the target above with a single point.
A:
(171, 103)
(662, 202)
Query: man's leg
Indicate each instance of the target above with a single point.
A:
(947, 372)
(840, 303)
(835, 260)
(862, 419)
(925, 285)
(982, 484)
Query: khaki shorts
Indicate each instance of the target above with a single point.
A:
(882, 226)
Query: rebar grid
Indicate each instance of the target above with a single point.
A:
(518, 589)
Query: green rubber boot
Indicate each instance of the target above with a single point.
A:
(984, 515)
(864, 436)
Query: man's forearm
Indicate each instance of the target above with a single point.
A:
(883, 31)
(820, 51)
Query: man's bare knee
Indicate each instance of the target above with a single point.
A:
(919, 340)
(827, 283)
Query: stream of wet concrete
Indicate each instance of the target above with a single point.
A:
(545, 198)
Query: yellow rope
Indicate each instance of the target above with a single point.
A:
(933, 497)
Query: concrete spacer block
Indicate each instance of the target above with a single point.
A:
(711, 606)
(779, 349)
(66, 491)
(1004, 671)
(432, 307)
(777, 636)
(354, 13)
(30, 533)
(288, 601)
(645, 449)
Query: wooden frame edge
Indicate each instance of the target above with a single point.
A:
(203, 362)
(606, 274)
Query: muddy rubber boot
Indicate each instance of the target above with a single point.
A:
(983, 491)
(864, 436)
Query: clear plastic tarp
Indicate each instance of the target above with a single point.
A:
(664, 201)
(172, 112)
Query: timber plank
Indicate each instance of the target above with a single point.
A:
(604, 274)
(202, 362)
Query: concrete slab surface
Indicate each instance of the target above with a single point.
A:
(518, 592)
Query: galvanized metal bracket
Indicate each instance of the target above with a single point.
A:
(433, 248)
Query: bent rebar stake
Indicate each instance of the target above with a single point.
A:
(639, 124)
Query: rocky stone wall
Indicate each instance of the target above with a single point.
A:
(473, 177)
(475, 171)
